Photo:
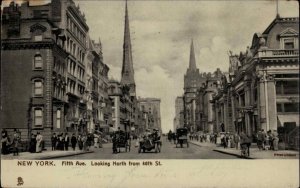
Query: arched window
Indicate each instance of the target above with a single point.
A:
(38, 62)
(38, 88)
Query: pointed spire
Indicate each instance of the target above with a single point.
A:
(127, 77)
(192, 65)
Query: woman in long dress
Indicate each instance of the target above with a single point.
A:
(39, 139)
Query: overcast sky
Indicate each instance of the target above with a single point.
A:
(161, 33)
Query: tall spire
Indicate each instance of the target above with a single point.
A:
(127, 77)
(192, 65)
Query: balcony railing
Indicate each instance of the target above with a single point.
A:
(278, 53)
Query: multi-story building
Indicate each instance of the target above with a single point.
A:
(73, 23)
(151, 106)
(192, 81)
(263, 82)
(178, 120)
(60, 66)
(33, 71)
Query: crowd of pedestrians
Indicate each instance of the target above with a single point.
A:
(60, 141)
(8, 144)
(212, 138)
(265, 141)
(83, 141)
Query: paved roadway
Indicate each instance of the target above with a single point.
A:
(169, 151)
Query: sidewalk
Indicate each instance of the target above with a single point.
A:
(203, 144)
(255, 153)
(47, 154)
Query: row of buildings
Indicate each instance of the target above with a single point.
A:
(54, 79)
(259, 91)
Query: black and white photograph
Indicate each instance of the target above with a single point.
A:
(155, 79)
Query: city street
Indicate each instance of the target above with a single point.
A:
(169, 151)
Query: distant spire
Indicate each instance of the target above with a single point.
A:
(127, 77)
(192, 65)
(277, 9)
(100, 43)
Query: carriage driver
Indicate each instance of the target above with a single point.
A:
(147, 135)
(156, 135)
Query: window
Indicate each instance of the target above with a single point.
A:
(287, 87)
(58, 118)
(38, 117)
(38, 62)
(291, 107)
(38, 38)
(289, 43)
(279, 107)
(38, 87)
(288, 107)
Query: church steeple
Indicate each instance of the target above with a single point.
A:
(192, 64)
(127, 77)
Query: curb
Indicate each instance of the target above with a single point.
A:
(233, 154)
(198, 145)
(58, 156)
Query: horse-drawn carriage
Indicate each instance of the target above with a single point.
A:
(149, 143)
(120, 140)
(182, 137)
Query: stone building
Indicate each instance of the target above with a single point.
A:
(151, 106)
(178, 119)
(262, 88)
(192, 81)
(33, 72)
(50, 44)
(204, 108)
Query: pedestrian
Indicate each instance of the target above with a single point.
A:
(100, 141)
(260, 140)
(15, 143)
(270, 135)
(4, 142)
(80, 142)
(215, 138)
(275, 140)
(39, 139)
(236, 140)
(66, 141)
(32, 144)
(245, 142)
(264, 136)
(84, 142)
(227, 140)
(96, 137)
(60, 145)
(73, 141)
(53, 141)
(114, 146)
(89, 141)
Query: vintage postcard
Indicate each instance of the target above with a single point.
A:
(143, 93)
